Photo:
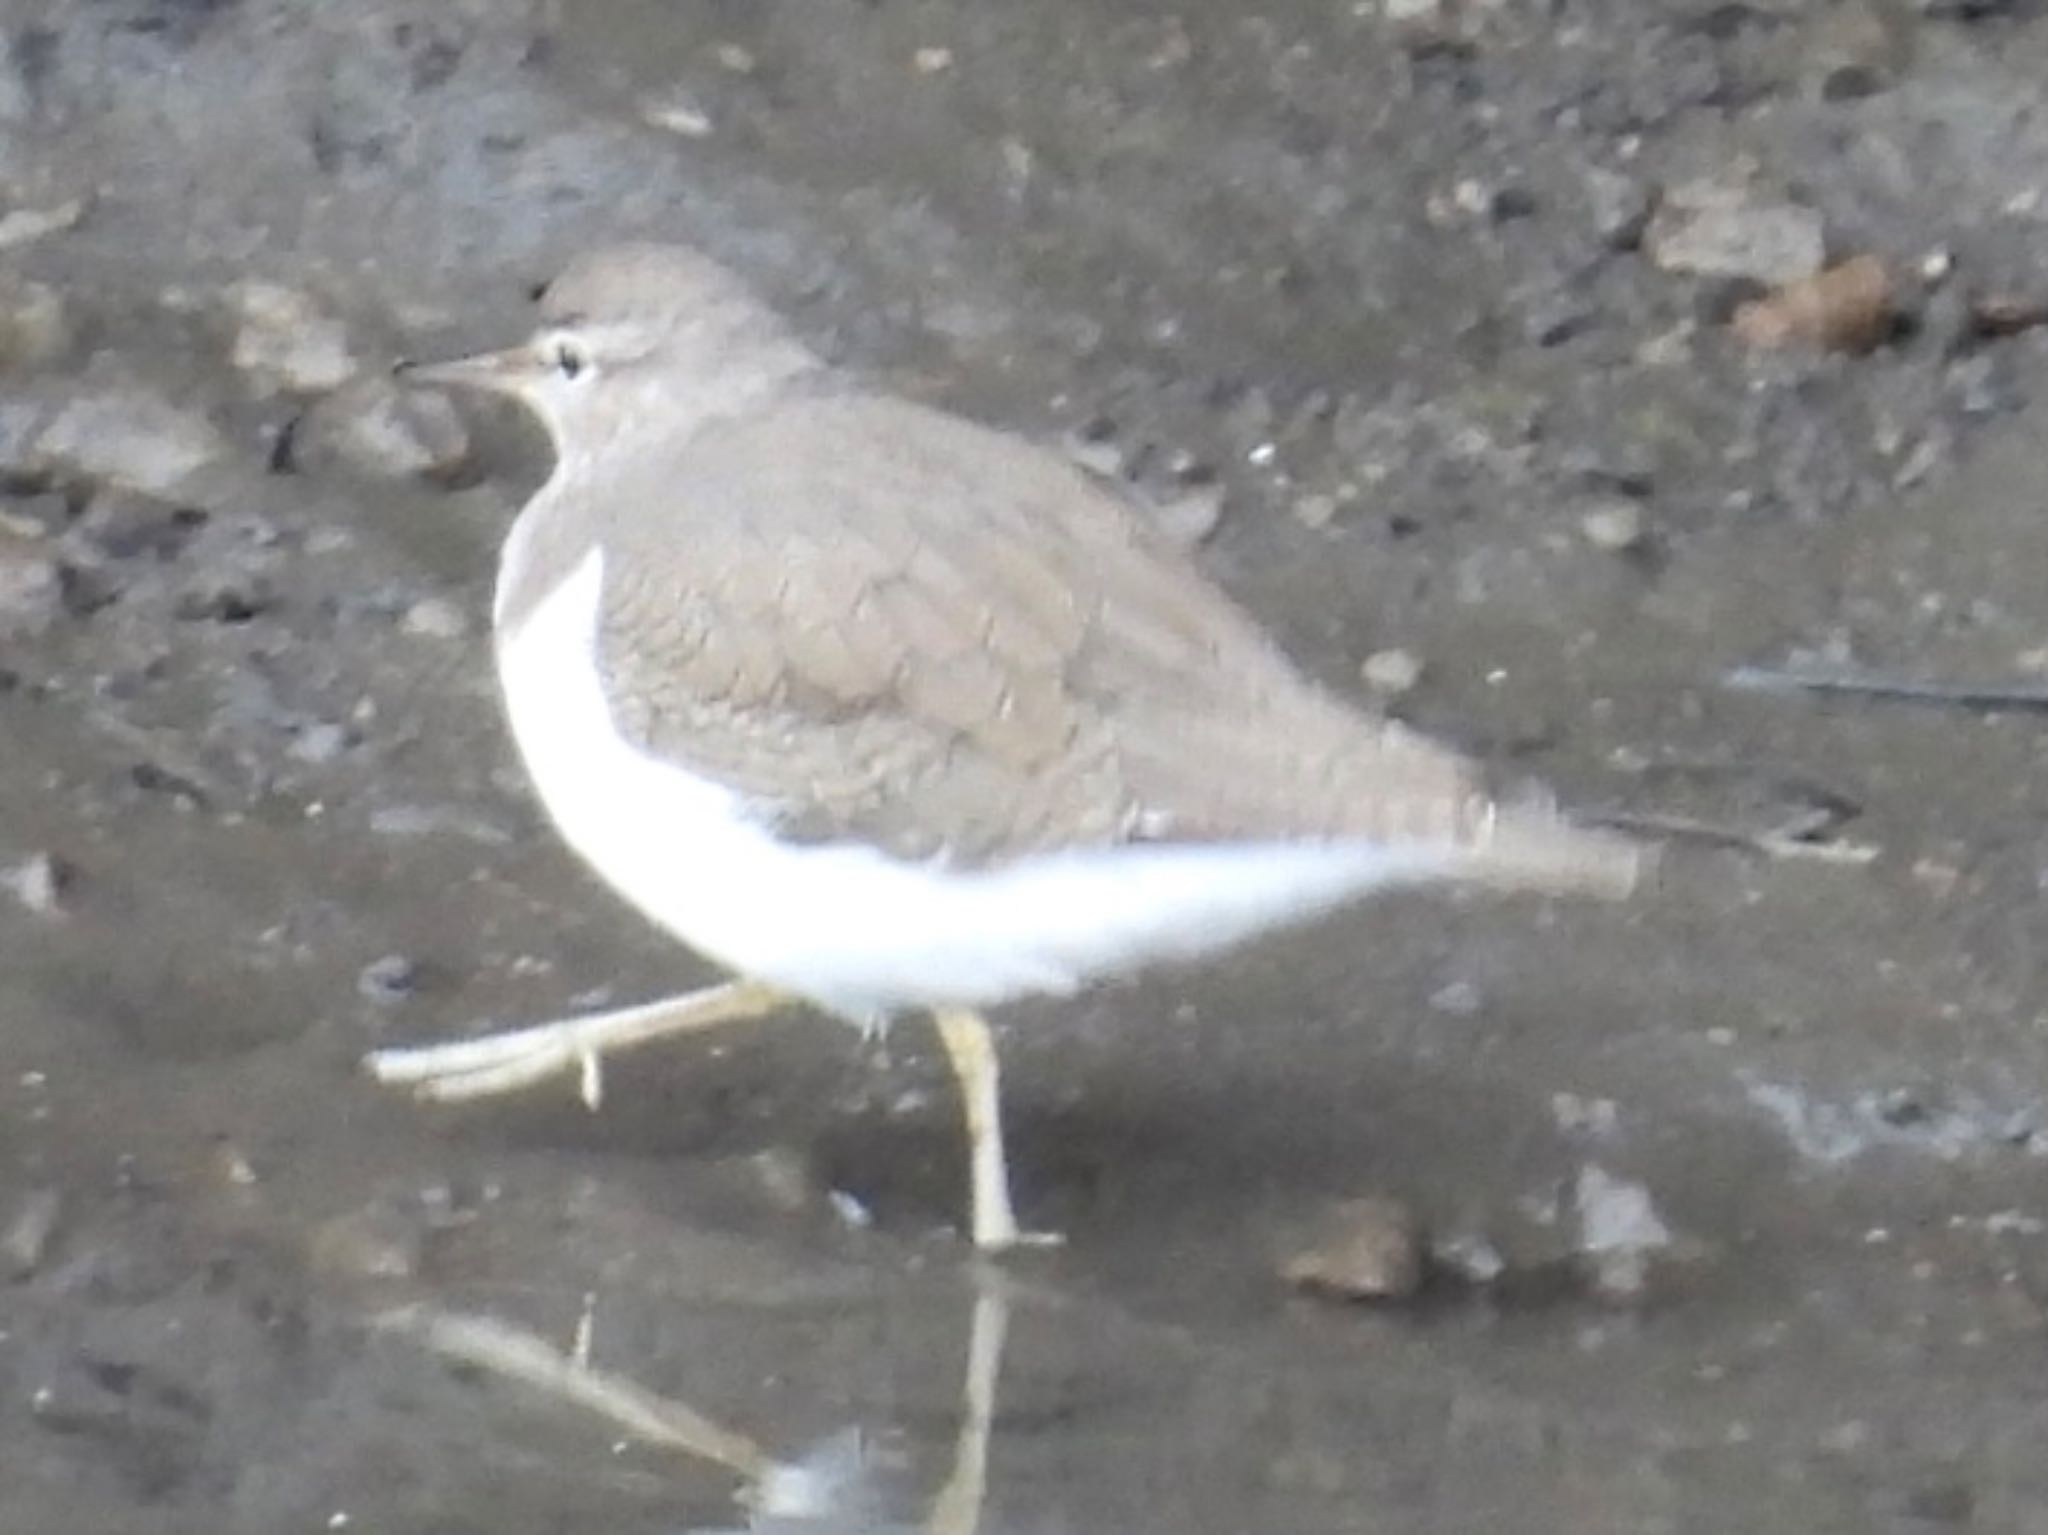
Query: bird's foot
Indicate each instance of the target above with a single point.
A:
(995, 1227)
(519, 1058)
(997, 1243)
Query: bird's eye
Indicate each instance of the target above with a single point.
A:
(569, 359)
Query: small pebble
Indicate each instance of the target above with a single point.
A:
(31, 588)
(1315, 511)
(1721, 228)
(31, 517)
(853, 1213)
(374, 1243)
(1460, 999)
(1671, 348)
(782, 1176)
(734, 59)
(1470, 1256)
(1921, 460)
(1614, 526)
(1999, 315)
(1576, 1114)
(1094, 447)
(232, 1165)
(24, 226)
(1174, 49)
(1366, 1249)
(1390, 673)
(1512, 202)
(932, 61)
(1554, 313)
(1620, 208)
(1939, 878)
(38, 882)
(285, 343)
(1191, 516)
(223, 597)
(1984, 385)
(376, 428)
(435, 618)
(320, 741)
(26, 1240)
(1847, 308)
(1903, 1109)
(126, 437)
(391, 979)
(1855, 48)
(1620, 1231)
(676, 112)
(1471, 196)
(34, 329)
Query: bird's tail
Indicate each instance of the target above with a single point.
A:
(1531, 847)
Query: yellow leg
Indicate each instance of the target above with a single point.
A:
(957, 1509)
(503, 1063)
(972, 1050)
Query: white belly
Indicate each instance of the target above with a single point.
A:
(856, 932)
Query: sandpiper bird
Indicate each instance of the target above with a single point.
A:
(883, 710)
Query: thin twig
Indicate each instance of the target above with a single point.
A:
(1779, 784)
(1860, 684)
(1772, 844)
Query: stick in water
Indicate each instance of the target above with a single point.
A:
(1859, 684)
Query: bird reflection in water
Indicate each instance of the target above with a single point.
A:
(832, 1487)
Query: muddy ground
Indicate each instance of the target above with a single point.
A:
(1735, 1194)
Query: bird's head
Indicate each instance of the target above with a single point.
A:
(633, 337)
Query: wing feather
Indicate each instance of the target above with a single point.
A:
(888, 624)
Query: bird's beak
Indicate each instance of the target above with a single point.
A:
(505, 372)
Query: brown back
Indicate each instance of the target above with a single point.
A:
(888, 624)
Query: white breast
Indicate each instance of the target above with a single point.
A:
(859, 933)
